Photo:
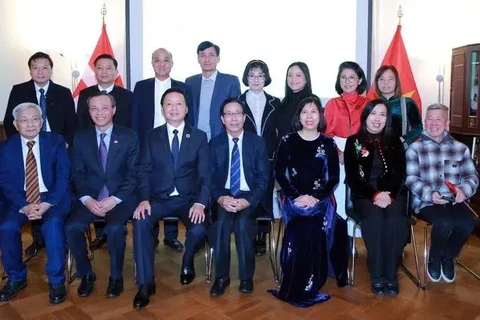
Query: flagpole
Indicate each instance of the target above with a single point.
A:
(103, 12)
(400, 15)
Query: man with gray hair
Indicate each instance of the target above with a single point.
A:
(34, 181)
(442, 176)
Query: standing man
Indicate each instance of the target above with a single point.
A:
(105, 162)
(147, 114)
(174, 181)
(58, 113)
(240, 175)
(34, 179)
(209, 90)
(433, 160)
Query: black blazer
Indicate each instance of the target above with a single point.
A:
(122, 163)
(60, 108)
(254, 161)
(158, 177)
(123, 98)
(269, 122)
(358, 167)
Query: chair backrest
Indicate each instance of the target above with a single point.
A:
(349, 203)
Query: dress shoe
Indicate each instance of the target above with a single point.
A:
(11, 288)
(115, 287)
(58, 293)
(98, 242)
(260, 245)
(434, 269)
(142, 298)
(187, 275)
(33, 249)
(448, 270)
(246, 286)
(392, 288)
(379, 289)
(219, 286)
(86, 285)
(176, 245)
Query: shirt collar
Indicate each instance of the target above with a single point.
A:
(108, 131)
(24, 140)
(45, 87)
(240, 137)
(180, 128)
(255, 95)
(447, 138)
(213, 77)
(109, 89)
(164, 82)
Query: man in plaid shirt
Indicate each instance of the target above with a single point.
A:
(431, 161)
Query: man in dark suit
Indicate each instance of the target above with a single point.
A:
(209, 89)
(147, 115)
(174, 181)
(58, 112)
(240, 175)
(105, 162)
(34, 179)
(105, 72)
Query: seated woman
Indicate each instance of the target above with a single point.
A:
(375, 171)
(307, 169)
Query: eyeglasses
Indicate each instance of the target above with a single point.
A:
(233, 114)
(25, 121)
(252, 76)
(348, 79)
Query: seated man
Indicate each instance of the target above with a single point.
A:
(434, 159)
(105, 162)
(34, 179)
(240, 175)
(174, 181)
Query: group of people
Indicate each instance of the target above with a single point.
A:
(205, 153)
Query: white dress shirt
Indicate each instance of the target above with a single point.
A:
(243, 182)
(109, 89)
(257, 102)
(36, 153)
(160, 88)
(37, 91)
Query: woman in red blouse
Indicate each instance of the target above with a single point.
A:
(342, 115)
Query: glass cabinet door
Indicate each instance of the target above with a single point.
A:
(474, 90)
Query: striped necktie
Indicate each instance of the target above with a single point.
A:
(32, 189)
(43, 106)
(103, 159)
(235, 169)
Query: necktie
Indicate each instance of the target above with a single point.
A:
(103, 158)
(235, 169)
(104, 91)
(175, 148)
(43, 106)
(31, 176)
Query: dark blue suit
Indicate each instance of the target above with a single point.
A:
(55, 171)
(158, 179)
(255, 167)
(226, 86)
(120, 179)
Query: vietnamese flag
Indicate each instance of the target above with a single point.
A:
(396, 55)
(88, 78)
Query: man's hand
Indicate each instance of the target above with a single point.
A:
(437, 198)
(31, 211)
(228, 203)
(196, 213)
(241, 204)
(107, 204)
(94, 207)
(42, 208)
(460, 195)
(142, 207)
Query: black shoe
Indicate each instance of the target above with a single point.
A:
(260, 245)
(58, 293)
(246, 286)
(219, 286)
(434, 269)
(448, 270)
(115, 287)
(11, 288)
(379, 289)
(187, 274)
(33, 249)
(98, 242)
(174, 244)
(392, 288)
(142, 298)
(86, 285)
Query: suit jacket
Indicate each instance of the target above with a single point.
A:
(60, 108)
(143, 106)
(55, 170)
(158, 178)
(269, 122)
(254, 161)
(226, 86)
(123, 98)
(122, 163)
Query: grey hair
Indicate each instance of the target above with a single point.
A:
(26, 105)
(168, 52)
(438, 106)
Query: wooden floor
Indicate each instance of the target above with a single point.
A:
(460, 300)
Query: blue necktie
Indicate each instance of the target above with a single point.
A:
(235, 169)
(104, 91)
(103, 158)
(175, 148)
(43, 106)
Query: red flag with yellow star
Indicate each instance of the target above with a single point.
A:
(397, 56)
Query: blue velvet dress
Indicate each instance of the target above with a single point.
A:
(309, 245)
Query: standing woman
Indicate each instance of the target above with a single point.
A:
(342, 115)
(375, 168)
(307, 170)
(406, 118)
(261, 111)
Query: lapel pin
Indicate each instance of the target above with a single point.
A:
(116, 141)
(187, 135)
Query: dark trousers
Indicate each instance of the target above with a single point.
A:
(115, 228)
(170, 229)
(144, 235)
(242, 224)
(452, 225)
(37, 232)
(53, 232)
(385, 232)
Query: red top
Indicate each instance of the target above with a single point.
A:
(342, 114)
